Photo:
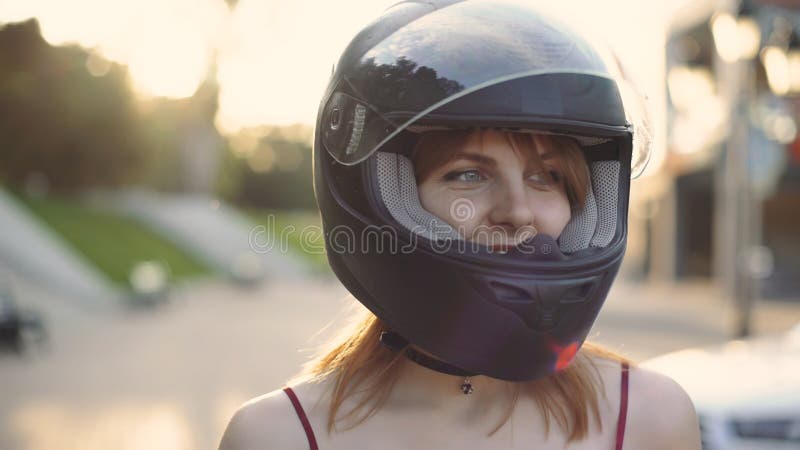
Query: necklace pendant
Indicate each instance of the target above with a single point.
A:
(466, 387)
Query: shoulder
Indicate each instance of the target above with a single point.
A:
(266, 422)
(659, 413)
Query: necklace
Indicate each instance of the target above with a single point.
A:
(398, 343)
(466, 386)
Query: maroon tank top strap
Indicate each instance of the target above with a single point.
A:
(623, 407)
(301, 414)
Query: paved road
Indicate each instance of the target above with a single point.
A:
(170, 377)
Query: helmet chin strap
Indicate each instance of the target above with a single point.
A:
(398, 343)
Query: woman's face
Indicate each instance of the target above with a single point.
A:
(496, 196)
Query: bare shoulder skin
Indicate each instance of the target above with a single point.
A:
(268, 422)
(660, 414)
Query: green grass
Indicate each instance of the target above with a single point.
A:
(112, 242)
(301, 230)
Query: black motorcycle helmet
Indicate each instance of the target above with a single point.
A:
(457, 65)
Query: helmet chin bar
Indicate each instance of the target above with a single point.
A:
(540, 303)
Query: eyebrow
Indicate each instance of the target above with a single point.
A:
(480, 159)
(489, 161)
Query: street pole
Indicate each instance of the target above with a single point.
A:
(740, 220)
(746, 220)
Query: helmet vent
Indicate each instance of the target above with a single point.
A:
(507, 293)
(521, 303)
(359, 116)
(336, 118)
(542, 306)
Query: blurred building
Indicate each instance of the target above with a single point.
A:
(728, 208)
(200, 143)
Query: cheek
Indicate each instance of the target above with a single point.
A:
(458, 210)
(435, 201)
(429, 198)
(553, 216)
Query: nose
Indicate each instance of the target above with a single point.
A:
(511, 208)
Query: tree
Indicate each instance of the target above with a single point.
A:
(273, 169)
(59, 121)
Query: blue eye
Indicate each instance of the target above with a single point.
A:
(539, 178)
(545, 179)
(465, 176)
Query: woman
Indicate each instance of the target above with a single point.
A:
(472, 166)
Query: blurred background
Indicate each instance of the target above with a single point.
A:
(161, 259)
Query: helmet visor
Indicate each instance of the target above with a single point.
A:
(455, 51)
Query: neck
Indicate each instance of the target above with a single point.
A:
(421, 387)
(427, 360)
(425, 383)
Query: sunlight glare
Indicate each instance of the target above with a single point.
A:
(170, 45)
(168, 68)
(278, 60)
(166, 44)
